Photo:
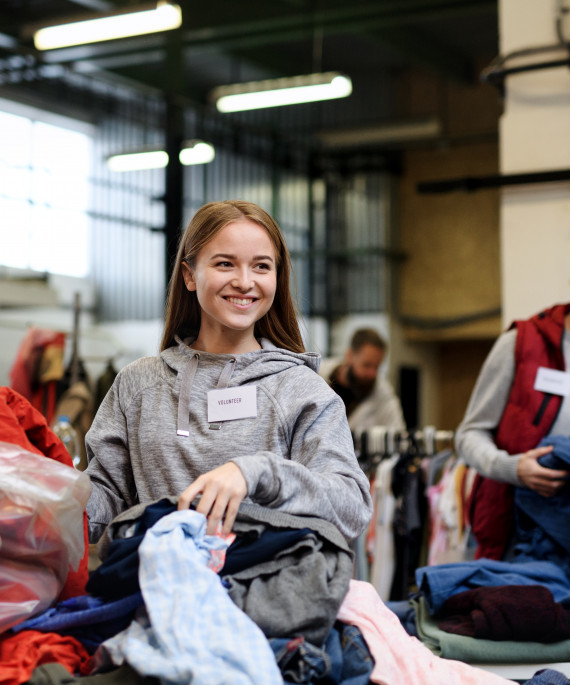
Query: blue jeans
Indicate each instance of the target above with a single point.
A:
(344, 659)
(548, 676)
(407, 615)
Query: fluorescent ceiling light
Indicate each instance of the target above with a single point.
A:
(293, 90)
(196, 152)
(389, 132)
(161, 17)
(192, 152)
(136, 161)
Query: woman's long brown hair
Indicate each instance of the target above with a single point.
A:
(279, 325)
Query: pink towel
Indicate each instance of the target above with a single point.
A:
(399, 657)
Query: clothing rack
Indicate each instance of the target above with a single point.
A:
(74, 364)
(379, 442)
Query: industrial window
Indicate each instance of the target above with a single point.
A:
(44, 194)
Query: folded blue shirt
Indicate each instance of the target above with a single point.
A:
(438, 583)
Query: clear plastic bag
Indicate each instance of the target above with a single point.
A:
(41, 530)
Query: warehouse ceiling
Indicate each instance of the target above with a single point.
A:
(226, 41)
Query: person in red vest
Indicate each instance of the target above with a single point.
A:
(522, 394)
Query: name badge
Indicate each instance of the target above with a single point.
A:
(552, 381)
(228, 404)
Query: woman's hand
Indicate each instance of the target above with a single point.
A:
(222, 491)
(546, 482)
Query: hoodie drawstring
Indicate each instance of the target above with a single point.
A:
(186, 389)
(184, 397)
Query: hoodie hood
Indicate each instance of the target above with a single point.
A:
(249, 367)
(240, 369)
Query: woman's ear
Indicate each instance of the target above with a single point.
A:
(188, 276)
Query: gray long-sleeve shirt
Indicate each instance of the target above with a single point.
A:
(296, 455)
(474, 439)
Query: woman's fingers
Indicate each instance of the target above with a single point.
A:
(222, 491)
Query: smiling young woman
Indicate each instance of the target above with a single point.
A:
(233, 407)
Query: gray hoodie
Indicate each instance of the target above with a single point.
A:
(296, 455)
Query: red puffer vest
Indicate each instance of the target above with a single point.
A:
(527, 418)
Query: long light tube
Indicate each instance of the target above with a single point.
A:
(137, 161)
(163, 17)
(196, 152)
(294, 90)
(388, 132)
(192, 152)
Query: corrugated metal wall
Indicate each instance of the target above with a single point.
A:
(127, 250)
(336, 228)
(349, 246)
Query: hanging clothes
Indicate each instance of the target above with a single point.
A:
(104, 383)
(77, 403)
(382, 572)
(447, 539)
(74, 372)
(409, 517)
(38, 368)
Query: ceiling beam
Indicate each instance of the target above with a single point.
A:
(388, 23)
(428, 54)
(262, 32)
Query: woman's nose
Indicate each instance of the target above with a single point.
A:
(242, 280)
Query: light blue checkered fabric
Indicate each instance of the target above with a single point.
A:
(194, 633)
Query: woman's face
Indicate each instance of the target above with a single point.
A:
(235, 278)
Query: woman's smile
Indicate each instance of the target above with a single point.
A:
(241, 301)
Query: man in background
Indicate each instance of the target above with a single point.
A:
(368, 397)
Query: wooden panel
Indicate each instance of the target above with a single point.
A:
(452, 243)
(459, 366)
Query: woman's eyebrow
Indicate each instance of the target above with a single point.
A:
(222, 255)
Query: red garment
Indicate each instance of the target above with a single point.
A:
(20, 654)
(37, 369)
(527, 418)
(522, 613)
(21, 424)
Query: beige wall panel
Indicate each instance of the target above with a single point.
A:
(459, 364)
(465, 110)
(451, 241)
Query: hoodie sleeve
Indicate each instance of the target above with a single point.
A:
(109, 468)
(322, 476)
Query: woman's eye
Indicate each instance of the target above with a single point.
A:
(224, 264)
(263, 266)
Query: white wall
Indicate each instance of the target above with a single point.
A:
(534, 136)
